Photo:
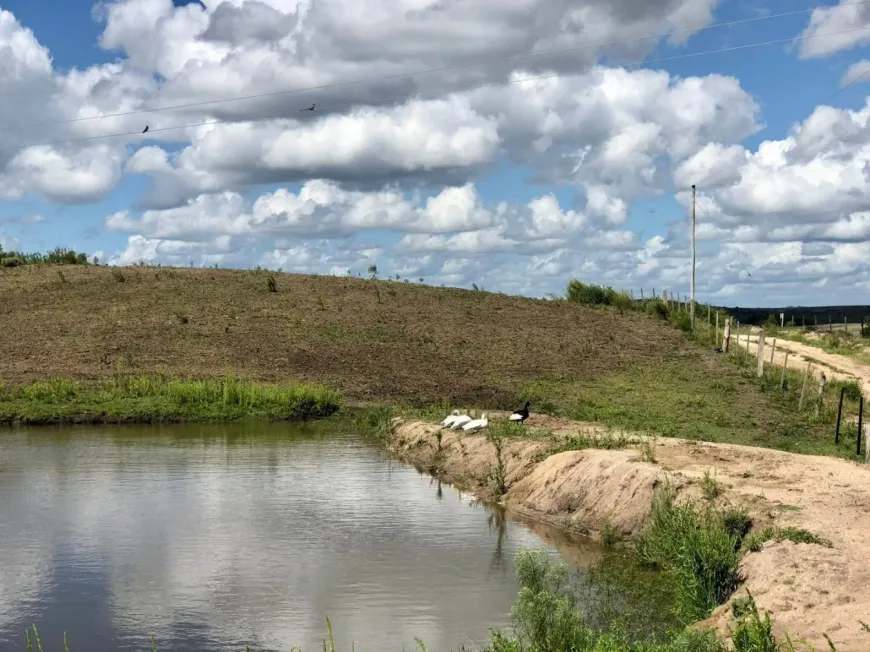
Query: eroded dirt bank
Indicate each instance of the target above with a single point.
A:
(809, 589)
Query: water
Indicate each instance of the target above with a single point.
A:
(217, 537)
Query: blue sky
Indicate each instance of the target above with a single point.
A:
(786, 86)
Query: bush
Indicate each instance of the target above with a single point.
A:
(598, 295)
(657, 308)
(586, 295)
(696, 550)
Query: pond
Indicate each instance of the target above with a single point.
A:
(218, 537)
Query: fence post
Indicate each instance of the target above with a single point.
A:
(772, 350)
(716, 334)
(846, 324)
(784, 367)
(839, 416)
(759, 356)
(641, 294)
(726, 336)
(804, 386)
(860, 423)
(823, 381)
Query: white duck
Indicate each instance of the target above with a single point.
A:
(477, 424)
(460, 421)
(448, 420)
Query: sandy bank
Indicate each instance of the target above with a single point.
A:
(808, 589)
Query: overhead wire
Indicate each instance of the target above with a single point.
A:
(470, 64)
(399, 98)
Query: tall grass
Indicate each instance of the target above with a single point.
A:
(696, 549)
(155, 398)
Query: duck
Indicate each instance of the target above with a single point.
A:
(477, 424)
(448, 420)
(521, 415)
(460, 421)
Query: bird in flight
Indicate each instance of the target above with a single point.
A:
(311, 108)
(145, 129)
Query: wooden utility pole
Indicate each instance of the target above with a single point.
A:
(692, 284)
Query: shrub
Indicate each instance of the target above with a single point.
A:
(586, 295)
(696, 550)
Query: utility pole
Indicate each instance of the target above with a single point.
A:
(692, 284)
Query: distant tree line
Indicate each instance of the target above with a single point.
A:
(57, 256)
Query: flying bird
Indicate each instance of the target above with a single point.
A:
(145, 129)
(311, 108)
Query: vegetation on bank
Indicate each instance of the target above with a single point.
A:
(146, 399)
(644, 600)
(58, 256)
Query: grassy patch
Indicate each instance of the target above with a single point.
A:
(156, 398)
(696, 550)
(755, 540)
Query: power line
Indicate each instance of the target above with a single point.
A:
(441, 69)
(400, 98)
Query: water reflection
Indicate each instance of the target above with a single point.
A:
(214, 537)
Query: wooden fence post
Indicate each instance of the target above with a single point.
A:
(641, 294)
(726, 336)
(772, 350)
(708, 314)
(804, 386)
(839, 416)
(759, 356)
(716, 334)
(823, 381)
(846, 324)
(784, 367)
(860, 423)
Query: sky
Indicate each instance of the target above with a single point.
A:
(509, 144)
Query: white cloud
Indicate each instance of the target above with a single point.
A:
(848, 16)
(858, 71)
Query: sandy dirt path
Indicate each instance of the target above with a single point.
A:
(835, 366)
(809, 589)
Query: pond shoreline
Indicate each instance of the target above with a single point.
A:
(809, 589)
(157, 399)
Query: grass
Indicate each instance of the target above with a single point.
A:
(628, 365)
(755, 540)
(696, 550)
(380, 341)
(156, 398)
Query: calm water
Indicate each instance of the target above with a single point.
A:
(211, 538)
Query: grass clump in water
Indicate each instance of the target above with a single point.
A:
(156, 398)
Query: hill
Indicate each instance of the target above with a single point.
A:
(386, 341)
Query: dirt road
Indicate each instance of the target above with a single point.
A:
(834, 366)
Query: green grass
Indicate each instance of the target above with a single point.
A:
(158, 399)
(755, 540)
(696, 550)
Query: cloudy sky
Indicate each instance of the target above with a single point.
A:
(513, 144)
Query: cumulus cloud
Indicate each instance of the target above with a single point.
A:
(848, 16)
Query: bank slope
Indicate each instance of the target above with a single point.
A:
(381, 341)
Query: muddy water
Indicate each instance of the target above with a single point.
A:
(217, 537)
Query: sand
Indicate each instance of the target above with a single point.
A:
(808, 589)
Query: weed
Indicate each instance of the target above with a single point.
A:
(755, 540)
(118, 275)
(647, 450)
(695, 549)
(709, 486)
(609, 537)
(61, 277)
